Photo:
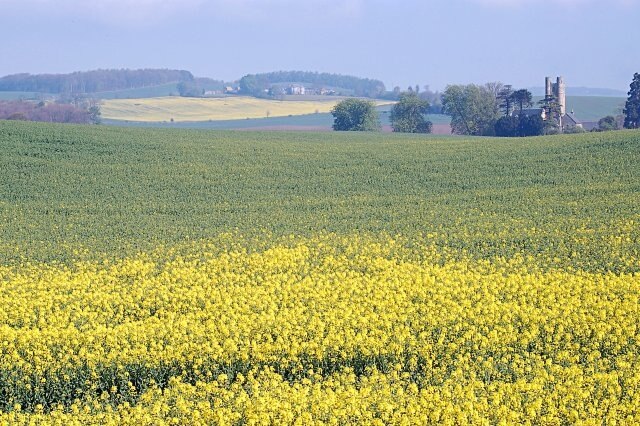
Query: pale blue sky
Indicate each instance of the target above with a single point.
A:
(591, 43)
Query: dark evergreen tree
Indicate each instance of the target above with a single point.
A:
(522, 99)
(530, 125)
(507, 126)
(505, 99)
(632, 107)
(552, 110)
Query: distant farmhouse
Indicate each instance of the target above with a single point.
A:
(296, 90)
(558, 92)
(229, 90)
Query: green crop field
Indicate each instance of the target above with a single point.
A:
(171, 276)
(315, 121)
(115, 189)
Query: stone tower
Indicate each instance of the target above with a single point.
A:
(557, 90)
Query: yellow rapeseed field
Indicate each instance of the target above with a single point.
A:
(168, 277)
(203, 109)
(324, 330)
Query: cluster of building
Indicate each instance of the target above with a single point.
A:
(558, 92)
(296, 89)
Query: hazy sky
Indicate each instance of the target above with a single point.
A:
(436, 42)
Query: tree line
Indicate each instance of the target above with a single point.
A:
(197, 87)
(52, 112)
(92, 81)
(260, 84)
(408, 115)
(493, 109)
(496, 109)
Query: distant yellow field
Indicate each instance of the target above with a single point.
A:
(198, 109)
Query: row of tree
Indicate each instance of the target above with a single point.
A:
(260, 84)
(198, 87)
(433, 98)
(408, 115)
(50, 112)
(92, 81)
(495, 109)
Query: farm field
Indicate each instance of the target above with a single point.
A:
(315, 121)
(203, 109)
(165, 276)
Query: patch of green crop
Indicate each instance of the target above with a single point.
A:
(115, 191)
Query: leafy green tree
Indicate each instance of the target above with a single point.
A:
(189, 89)
(251, 84)
(408, 114)
(632, 106)
(573, 129)
(607, 123)
(473, 109)
(355, 115)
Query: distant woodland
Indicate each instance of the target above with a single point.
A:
(92, 81)
(261, 84)
(52, 112)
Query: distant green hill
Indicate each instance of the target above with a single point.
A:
(592, 108)
(169, 89)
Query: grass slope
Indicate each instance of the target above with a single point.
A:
(592, 108)
(119, 190)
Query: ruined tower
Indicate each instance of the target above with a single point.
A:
(558, 91)
(561, 95)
